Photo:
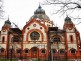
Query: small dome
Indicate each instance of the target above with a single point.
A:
(7, 22)
(39, 10)
(67, 19)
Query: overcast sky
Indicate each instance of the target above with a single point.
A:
(20, 11)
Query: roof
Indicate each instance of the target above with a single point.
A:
(16, 30)
(40, 13)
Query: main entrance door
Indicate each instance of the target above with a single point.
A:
(34, 52)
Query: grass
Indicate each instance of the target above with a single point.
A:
(7, 60)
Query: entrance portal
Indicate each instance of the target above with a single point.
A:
(34, 52)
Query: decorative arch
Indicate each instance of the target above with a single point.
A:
(30, 22)
(37, 30)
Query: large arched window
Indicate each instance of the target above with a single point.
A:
(34, 35)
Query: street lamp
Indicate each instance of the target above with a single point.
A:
(51, 51)
(8, 44)
(11, 53)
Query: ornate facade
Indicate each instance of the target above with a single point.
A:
(39, 38)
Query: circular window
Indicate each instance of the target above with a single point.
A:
(43, 51)
(73, 51)
(34, 35)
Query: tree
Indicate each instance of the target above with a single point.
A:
(71, 8)
(1, 10)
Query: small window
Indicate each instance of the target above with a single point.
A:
(19, 51)
(54, 51)
(3, 39)
(71, 38)
(15, 39)
(2, 50)
(73, 51)
(26, 51)
(56, 39)
(43, 51)
(62, 51)
(11, 50)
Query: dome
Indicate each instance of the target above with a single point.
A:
(40, 13)
(67, 19)
(7, 22)
(39, 10)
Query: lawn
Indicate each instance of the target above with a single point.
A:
(7, 60)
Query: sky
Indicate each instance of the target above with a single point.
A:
(20, 11)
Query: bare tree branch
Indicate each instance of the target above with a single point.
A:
(69, 6)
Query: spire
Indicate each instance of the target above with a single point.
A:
(39, 6)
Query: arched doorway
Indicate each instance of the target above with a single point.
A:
(34, 52)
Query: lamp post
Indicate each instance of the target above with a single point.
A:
(51, 51)
(8, 44)
(11, 53)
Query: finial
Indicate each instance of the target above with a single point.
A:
(39, 5)
(8, 17)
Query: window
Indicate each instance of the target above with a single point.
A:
(15, 39)
(11, 50)
(3, 39)
(43, 51)
(40, 16)
(62, 51)
(73, 51)
(19, 51)
(54, 51)
(34, 35)
(1, 50)
(56, 39)
(71, 38)
(26, 51)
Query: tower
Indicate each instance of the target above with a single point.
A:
(4, 36)
(72, 38)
